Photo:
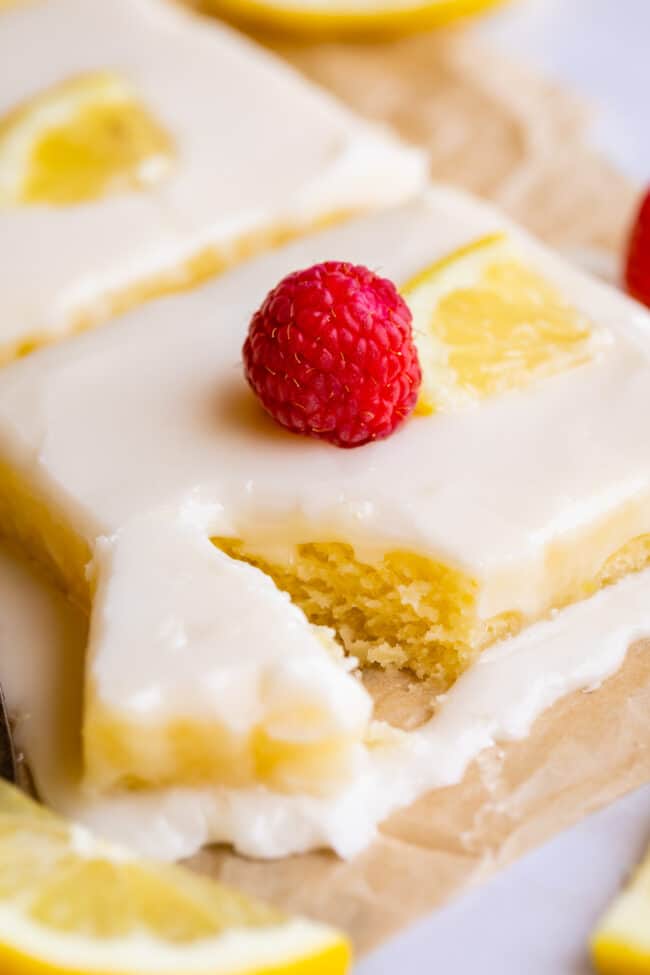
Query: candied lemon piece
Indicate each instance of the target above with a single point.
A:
(71, 905)
(485, 323)
(79, 140)
(621, 944)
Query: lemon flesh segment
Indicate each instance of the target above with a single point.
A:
(485, 323)
(73, 905)
(78, 141)
(338, 18)
(621, 943)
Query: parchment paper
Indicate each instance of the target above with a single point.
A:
(498, 130)
(489, 125)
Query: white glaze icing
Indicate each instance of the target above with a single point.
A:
(270, 659)
(231, 106)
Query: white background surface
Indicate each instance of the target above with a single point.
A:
(535, 918)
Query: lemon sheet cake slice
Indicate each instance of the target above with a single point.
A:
(138, 468)
(148, 148)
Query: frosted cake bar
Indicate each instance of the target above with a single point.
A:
(146, 148)
(125, 451)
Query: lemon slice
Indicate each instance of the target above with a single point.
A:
(73, 905)
(621, 944)
(485, 323)
(331, 18)
(79, 140)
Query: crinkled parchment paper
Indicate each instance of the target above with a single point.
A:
(489, 125)
(496, 129)
(583, 753)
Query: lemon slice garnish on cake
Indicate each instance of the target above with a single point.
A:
(485, 323)
(79, 140)
(73, 905)
(340, 17)
(621, 943)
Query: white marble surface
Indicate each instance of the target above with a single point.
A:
(535, 918)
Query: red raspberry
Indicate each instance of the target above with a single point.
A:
(330, 354)
(637, 269)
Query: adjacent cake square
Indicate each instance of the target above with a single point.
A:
(143, 148)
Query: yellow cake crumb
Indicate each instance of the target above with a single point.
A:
(405, 610)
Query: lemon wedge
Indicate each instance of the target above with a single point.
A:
(621, 944)
(332, 18)
(485, 323)
(73, 905)
(79, 140)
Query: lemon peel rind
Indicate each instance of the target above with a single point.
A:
(621, 943)
(318, 22)
(613, 957)
(294, 948)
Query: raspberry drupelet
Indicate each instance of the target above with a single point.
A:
(330, 354)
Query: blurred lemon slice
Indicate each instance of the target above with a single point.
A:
(73, 905)
(343, 17)
(79, 140)
(621, 944)
(485, 323)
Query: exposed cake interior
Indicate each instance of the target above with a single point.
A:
(398, 609)
(408, 611)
